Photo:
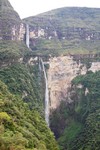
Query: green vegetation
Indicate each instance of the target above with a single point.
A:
(56, 47)
(11, 51)
(78, 124)
(21, 81)
(20, 78)
(70, 133)
(22, 125)
(66, 30)
(68, 17)
(21, 128)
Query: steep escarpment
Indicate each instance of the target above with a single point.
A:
(65, 30)
(80, 127)
(9, 21)
(74, 101)
(62, 70)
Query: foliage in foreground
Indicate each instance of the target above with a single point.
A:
(21, 128)
(23, 80)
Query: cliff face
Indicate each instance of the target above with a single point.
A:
(66, 23)
(68, 28)
(70, 33)
(60, 74)
(11, 27)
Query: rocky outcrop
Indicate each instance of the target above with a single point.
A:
(95, 66)
(22, 32)
(69, 33)
(11, 26)
(61, 71)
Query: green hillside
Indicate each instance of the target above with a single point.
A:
(77, 17)
(22, 123)
(21, 128)
(67, 30)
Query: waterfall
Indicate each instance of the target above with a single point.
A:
(27, 35)
(46, 95)
(40, 64)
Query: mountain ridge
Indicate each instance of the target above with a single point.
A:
(65, 30)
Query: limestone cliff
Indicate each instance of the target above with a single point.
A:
(61, 71)
(11, 27)
(66, 23)
(65, 28)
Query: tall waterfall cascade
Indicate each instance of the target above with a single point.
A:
(40, 64)
(46, 95)
(27, 35)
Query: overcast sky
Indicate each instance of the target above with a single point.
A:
(27, 8)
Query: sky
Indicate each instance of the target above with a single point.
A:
(26, 8)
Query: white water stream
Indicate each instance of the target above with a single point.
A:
(46, 95)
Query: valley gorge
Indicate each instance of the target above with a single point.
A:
(50, 79)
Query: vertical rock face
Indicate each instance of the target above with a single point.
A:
(60, 74)
(27, 35)
(62, 70)
(22, 32)
(10, 23)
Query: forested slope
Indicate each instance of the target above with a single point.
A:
(76, 125)
(22, 124)
(21, 128)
